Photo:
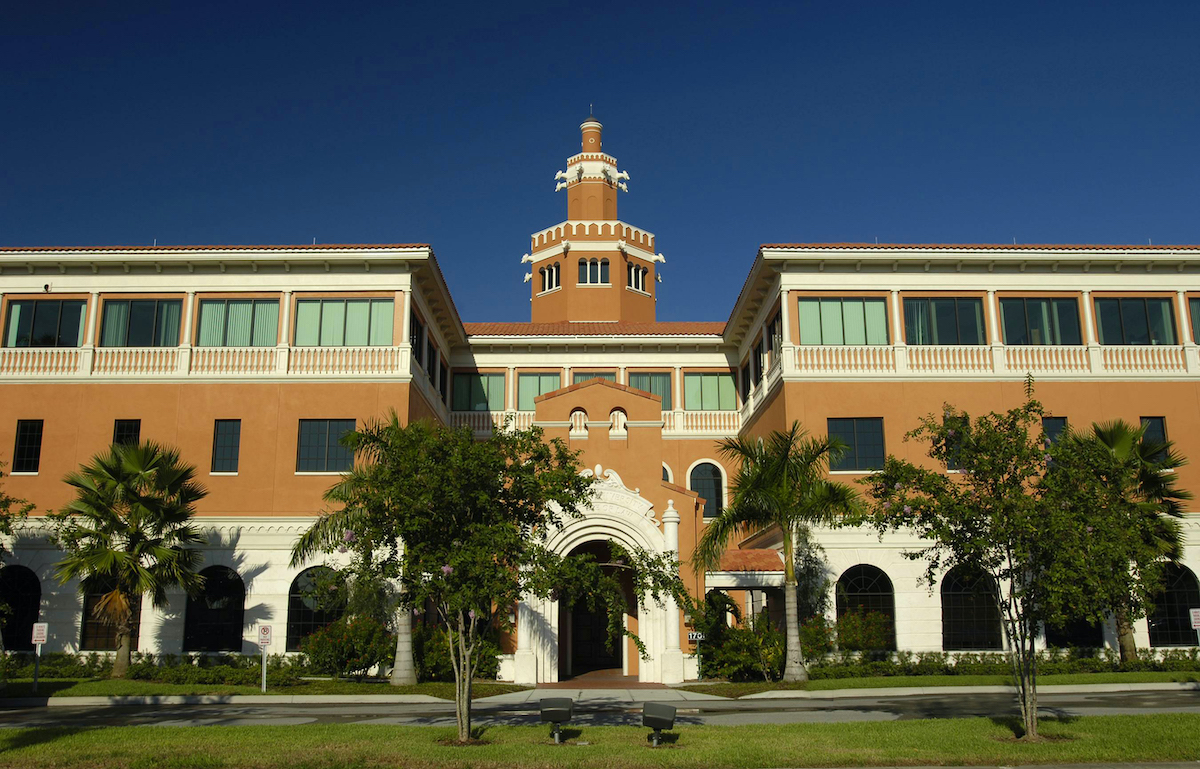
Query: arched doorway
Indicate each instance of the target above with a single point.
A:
(21, 591)
(589, 646)
(213, 620)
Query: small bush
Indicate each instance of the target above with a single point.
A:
(753, 651)
(865, 631)
(431, 654)
(351, 646)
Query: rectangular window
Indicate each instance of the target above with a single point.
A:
(27, 454)
(1040, 321)
(843, 321)
(1194, 312)
(227, 439)
(530, 386)
(416, 337)
(141, 323)
(756, 371)
(1135, 321)
(943, 321)
(1054, 427)
(344, 322)
(127, 432)
(238, 323)
(709, 392)
(44, 323)
(746, 381)
(431, 356)
(1156, 432)
(583, 376)
(319, 448)
(478, 392)
(97, 635)
(863, 437)
(655, 384)
(443, 381)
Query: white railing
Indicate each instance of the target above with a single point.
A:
(39, 361)
(483, 421)
(136, 361)
(947, 359)
(345, 360)
(846, 359)
(1048, 359)
(1143, 359)
(236, 361)
(710, 422)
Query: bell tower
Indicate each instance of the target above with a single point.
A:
(592, 267)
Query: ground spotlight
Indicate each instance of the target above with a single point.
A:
(557, 711)
(658, 716)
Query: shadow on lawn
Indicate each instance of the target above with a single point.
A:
(13, 739)
(1017, 726)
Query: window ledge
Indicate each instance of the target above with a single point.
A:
(224, 474)
(637, 291)
(307, 472)
(593, 285)
(550, 291)
(854, 472)
(15, 473)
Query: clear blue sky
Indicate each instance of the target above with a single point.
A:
(212, 122)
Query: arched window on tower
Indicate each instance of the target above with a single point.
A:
(21, 591)
(706, 481)
(308, 609)
(604, 271)
(1170, 623)
(970, 611)
(866, 609)
(594, 271)
(542, 272)
(555, 276)
(583, 271)
(213, 620)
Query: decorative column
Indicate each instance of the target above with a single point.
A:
(786, 348)
(525, 659)
(1095, 358)
(899, 346)
(999, 363)
(285, 333)
(677, 386)
(672, 663)
(1185, 333)
(184, 365)
(87, 351)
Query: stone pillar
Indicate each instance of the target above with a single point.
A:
(525, 658)
(1095, 358)
(999, 362)
(672, 663)
(899, 345)
(1185, 332)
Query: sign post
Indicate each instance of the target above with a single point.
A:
(40, 631)
(697, 637)
(264, 640)
(1196, 622)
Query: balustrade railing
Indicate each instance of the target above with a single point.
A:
(39, 361)
(1143, 359)
(345, 360)
(235, 361)
(950, 359)
(846, 359)
(1047, 359)
(136, 361)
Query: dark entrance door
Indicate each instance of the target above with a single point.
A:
(591, 648)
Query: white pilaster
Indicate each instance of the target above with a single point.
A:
(672, 661)
(1095, 359)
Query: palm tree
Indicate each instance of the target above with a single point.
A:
(362, 520)
(1153, 484)
(781, 482)
(128, 533)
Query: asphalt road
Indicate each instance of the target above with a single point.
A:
(774, 711)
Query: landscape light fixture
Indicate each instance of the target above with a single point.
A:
(658, 716)
(557, 711)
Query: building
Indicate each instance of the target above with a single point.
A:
(254, 359)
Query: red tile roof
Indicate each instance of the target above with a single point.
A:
(667, 328)
(751, 560)
(980, 246)
(303, 247)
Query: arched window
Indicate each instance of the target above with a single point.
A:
(1170, 623)
(706, 481)
(555, 276)
(96, 634)
(593, 271)
(21, 591)
(970, 613)
(583, 271)
(307, 613)
(666, 473)
(213, 620)
(603, 270)
(542, 272)
(866, 609)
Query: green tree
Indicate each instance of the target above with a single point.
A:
(1139, 517)
(129, 532)
(998, 515)
(13, 512)
(462, 525)
(781, 481)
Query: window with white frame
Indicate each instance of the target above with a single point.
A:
(344, 322)
(478, 392)
(637, 276)
(843, 320)
(238, 323)
(593, 272)
(709, 392)
(530, 386)
(550, 276)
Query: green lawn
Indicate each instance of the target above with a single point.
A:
(103, 687)
(1169, 737)
(725, 689)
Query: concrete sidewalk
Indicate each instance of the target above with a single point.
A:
(584, 698)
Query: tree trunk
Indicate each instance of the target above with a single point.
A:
(1029, 700)
(121, 662)
(404, 672)
(794, 670)
(1125, 642)
(460, 660)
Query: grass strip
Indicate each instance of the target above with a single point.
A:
(1135, 738)
(108, 687)
(741, 689)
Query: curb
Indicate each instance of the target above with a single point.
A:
(425, 699)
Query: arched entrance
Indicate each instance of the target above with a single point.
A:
(587, 645)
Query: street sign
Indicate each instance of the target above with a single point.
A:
(695, 635)
(40, 631)
(264, 635)
(1195, 619)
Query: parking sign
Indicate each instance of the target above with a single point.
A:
(264, 635)
(1195, 619)
(40, 631)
